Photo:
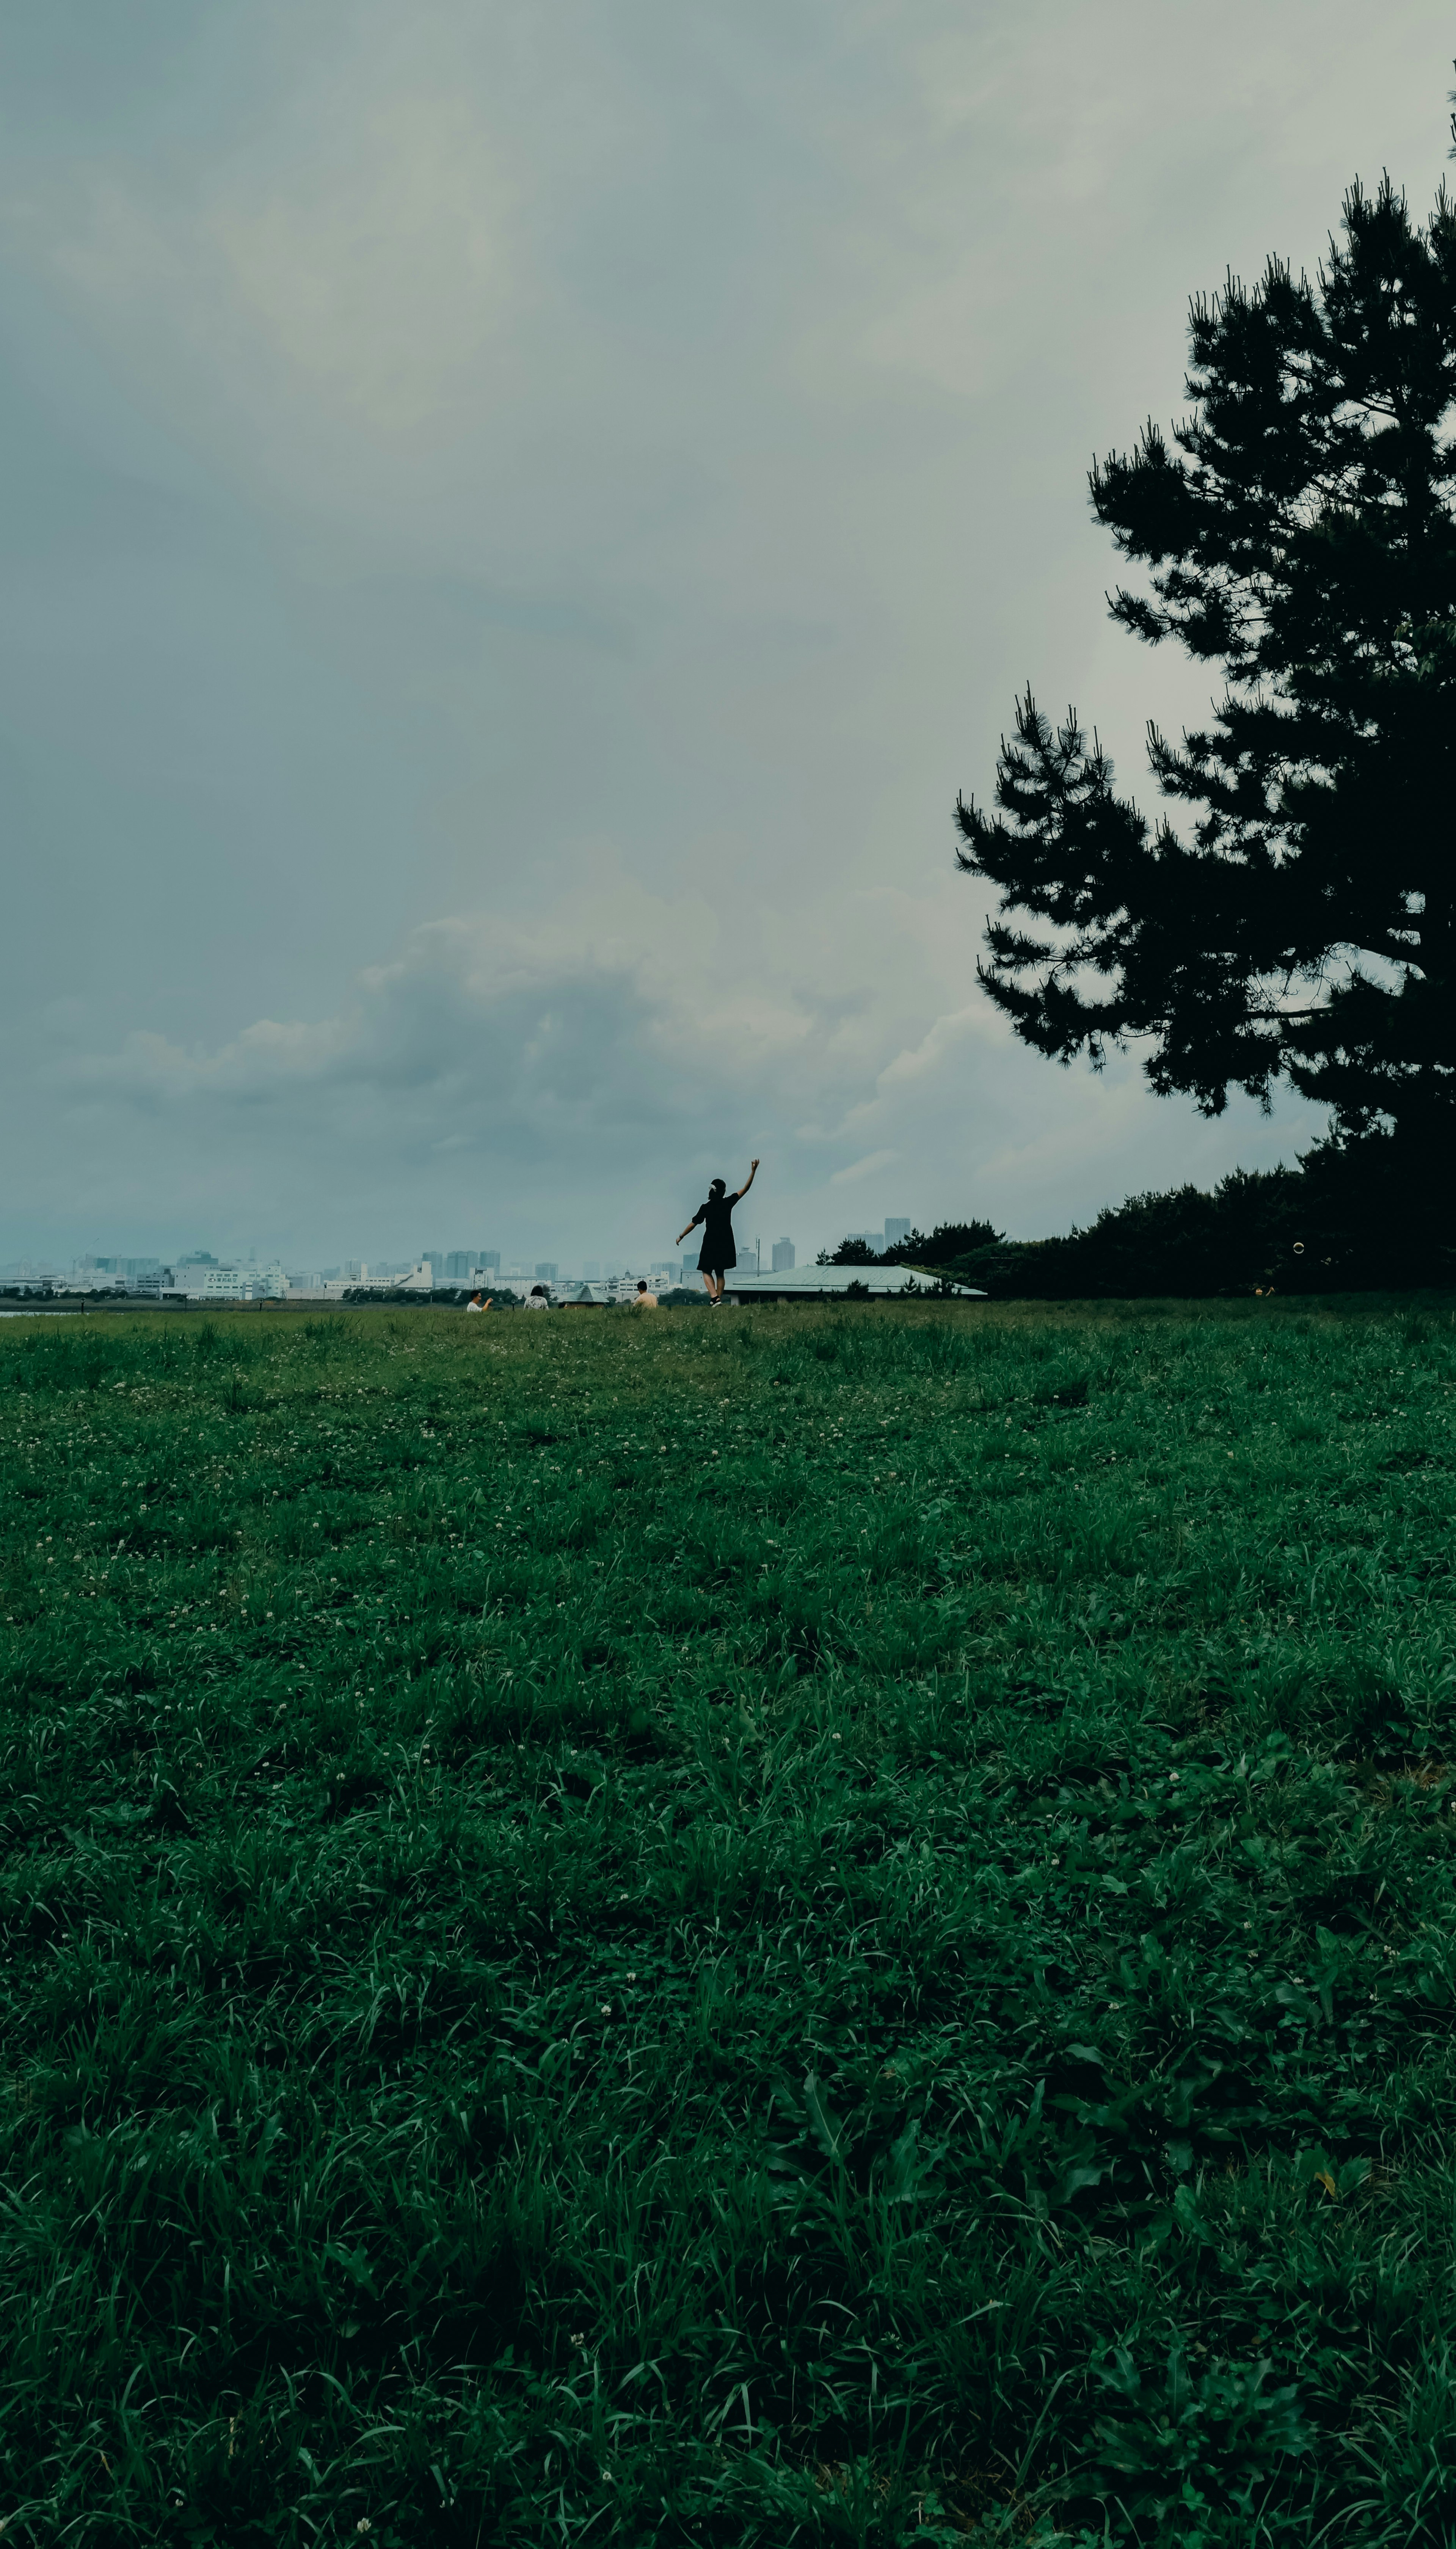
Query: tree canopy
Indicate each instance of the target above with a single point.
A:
(1299, 530)
(948, 1241)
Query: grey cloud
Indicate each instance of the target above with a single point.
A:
(609, 471)
(607, 1046)
(563, 1036)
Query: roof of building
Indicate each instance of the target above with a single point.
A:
(810, 1283)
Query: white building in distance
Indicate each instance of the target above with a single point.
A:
(230, 1282)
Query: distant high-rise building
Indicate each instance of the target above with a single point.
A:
(896, 1232)
(488, 1261)
(435, 1258)
(783, 1255)
(459, 1263)
(545, 1273)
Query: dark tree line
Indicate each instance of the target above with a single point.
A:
(1290, 915)
(1340, 1222)
(944, 1246)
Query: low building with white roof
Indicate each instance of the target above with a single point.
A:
(833, 1282)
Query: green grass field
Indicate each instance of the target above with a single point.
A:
(787, 1926)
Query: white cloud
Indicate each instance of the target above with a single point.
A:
(381, 270)
(581, 1025)
(866, 1167)
(582, 1031)
(327, 298)
(607, 1055)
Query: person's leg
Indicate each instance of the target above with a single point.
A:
(707, 1283)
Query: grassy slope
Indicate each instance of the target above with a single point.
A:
(747, 1927)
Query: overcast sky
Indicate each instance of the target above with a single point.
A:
(518, 521)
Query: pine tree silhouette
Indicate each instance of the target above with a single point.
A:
(1299, 530)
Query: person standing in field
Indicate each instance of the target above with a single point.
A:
(717, 1253)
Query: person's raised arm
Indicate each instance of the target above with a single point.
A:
(752, 1170)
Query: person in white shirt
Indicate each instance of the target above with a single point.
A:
(475, 1303)
(538, 1298)
(643, 1301)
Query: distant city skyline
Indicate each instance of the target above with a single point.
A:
(448, 1266)
(454, 1264)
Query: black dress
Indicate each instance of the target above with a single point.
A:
(718, 1252)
